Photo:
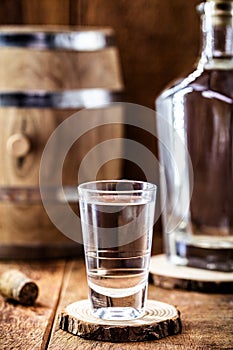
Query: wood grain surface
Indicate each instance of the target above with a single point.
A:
(158, 40)
(206, 318)
(44, 11)
(203, 316)
(24, 327)
(167, 275)
(160, 320)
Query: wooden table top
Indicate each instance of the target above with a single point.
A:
(206, 318)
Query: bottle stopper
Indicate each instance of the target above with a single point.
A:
(17, 286)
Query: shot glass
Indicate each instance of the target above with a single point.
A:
(117, 219)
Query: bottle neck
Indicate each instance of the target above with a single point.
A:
(217, 40)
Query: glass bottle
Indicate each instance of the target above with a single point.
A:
(195, 132)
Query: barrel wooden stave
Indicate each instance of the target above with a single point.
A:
(58, 70)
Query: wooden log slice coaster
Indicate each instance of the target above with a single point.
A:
(167, 275)
(160, 320)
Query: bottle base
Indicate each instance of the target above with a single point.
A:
(200, 251)
(205, 258)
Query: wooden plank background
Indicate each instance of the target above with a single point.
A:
(158, 40)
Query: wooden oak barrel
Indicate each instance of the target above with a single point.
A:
(46, 75)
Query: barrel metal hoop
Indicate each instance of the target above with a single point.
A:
(67, 99)
(88, 40)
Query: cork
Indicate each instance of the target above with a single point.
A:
(17, 286)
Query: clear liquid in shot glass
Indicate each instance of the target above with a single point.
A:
(117, 240)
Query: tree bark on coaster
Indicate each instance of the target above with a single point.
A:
(164, 274)
(160, 320)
